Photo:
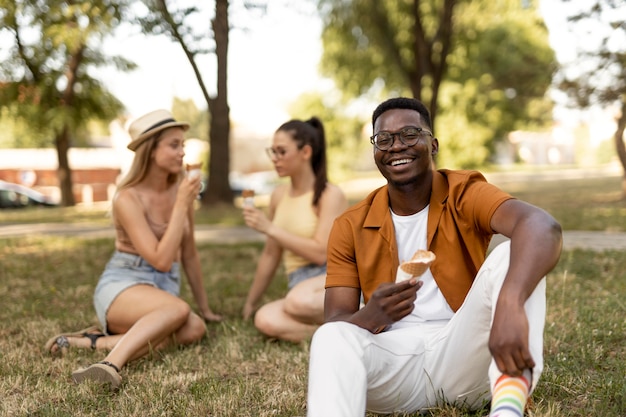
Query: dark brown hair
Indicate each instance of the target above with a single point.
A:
(311, 132)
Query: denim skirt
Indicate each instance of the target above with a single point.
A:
(125, 270)
(305, 272)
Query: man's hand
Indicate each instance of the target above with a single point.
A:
(389, 303)
(508, 341)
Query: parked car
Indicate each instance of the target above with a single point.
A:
(17, 196)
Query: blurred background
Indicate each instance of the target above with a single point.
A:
(513, 86)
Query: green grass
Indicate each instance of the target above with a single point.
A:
(578, 204)
(47, 283)
(46, 286)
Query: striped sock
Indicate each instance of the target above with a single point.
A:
(510, 395)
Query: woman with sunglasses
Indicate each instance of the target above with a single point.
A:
(301, 214)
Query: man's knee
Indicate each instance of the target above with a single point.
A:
(335, 337)
(325, 333)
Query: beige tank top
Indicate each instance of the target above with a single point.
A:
(297, 216)
(123, 242)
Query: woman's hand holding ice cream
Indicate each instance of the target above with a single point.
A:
(194, 170)
(256, 219)
(248, 198)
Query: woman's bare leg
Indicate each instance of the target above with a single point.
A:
(147, 317)
(305, 301)
(297, 316)
(272, 320)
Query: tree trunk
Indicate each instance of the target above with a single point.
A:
(62, 139)
(64, 172)
(620, 147)
(430, 55)
(218, 189)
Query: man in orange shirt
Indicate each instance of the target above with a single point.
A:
(467, 331)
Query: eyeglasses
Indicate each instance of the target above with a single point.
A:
(275, 153)
(409, 136)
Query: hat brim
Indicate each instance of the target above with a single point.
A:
(133, 145)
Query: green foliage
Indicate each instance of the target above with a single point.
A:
(55, 47)
(15, 132)
(498, 68)
(353, 55)
(597, 76)
(180, 25)
(605, 152)
(346, 145)
(498, 76)
(199, 120)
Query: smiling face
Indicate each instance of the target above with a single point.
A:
(403, 165)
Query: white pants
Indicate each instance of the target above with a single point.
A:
(410, 369)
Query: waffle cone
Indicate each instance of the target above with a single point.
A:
(194, 166)
(414, 268)
(419, 263)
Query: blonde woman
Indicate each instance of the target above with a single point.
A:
(137, 297)
(301, 214)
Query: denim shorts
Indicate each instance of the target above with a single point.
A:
(305, 272)
(125, 270)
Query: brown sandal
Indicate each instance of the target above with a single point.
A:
(62, 342)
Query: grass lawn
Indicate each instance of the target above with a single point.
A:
(47, 283)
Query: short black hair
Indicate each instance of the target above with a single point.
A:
(403, 103)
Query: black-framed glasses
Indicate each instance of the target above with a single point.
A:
(409, 136)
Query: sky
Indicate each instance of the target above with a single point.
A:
(601, 120)
(270, 65)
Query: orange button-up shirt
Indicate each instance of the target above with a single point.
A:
(362, 251)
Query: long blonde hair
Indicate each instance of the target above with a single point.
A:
(141, 162)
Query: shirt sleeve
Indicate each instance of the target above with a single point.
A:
(341, 260)
(478, 200)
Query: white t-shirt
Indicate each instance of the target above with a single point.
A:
(430, 304)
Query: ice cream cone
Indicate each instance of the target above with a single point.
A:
(419, 263)
(248, 198)
(193, 170)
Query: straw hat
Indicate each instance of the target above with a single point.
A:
(150, 124)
